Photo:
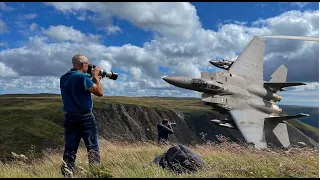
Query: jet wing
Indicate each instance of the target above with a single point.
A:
(280, 85)
(285, 118)
(250, 123)
(250, 61)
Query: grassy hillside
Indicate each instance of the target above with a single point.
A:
(36, 120)
(312, 120)
(225, 160)
(182, 104)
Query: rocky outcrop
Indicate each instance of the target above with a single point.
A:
(125, 122)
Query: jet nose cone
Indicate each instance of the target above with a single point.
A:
(173, 79)
(213, 62)
(178, 81)
(166, 79)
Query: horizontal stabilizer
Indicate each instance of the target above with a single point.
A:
(284, 118)
(281, 85)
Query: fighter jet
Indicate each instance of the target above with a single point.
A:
(241, 93)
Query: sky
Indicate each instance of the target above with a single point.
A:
(144, 41)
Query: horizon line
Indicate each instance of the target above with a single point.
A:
(140, 96)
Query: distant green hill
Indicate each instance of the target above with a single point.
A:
(312, 120)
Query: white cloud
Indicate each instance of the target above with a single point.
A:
(172, 19)
(184, 49)
(37, 58)
(292, 52)
(113, 29)
(4, 44)
(312, 86)
(82, 16)
(33, 26)
(68, 6)
(299, 4)
(135, 73)
(3, 27)
(105, 65)
(27, 16)
(4, 7)
(64, 33)
(30, 84)
(194, 50)
(6, 71)
(307, 98)
(186, 58)
(295, 4)
(292, 23)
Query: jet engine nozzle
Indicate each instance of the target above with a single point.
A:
(276, 97)
(276, 109)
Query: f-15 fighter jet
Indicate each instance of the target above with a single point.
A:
(242, 93)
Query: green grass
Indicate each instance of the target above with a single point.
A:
(226, 160)
(307, 126)
(20, 129)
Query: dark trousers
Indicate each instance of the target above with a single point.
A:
(79, 126)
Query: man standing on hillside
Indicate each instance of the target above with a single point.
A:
(76, 88)
(164, 129)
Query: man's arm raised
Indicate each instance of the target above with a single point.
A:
(96, 89)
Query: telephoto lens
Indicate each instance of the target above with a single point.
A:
(103, 73)
(173, 124)
(111, 75)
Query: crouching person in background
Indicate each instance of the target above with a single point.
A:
(76, 88)
(164, 129)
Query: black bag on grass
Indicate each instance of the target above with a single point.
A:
(181, 159)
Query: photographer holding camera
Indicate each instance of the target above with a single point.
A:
(76, 88)
(164, 129)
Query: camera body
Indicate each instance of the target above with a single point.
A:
(103, 73)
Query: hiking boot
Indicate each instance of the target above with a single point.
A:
(66, 171)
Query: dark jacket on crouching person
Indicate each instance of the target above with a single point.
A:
(164, 129)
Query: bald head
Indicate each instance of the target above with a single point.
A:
(80, 62)
(78, 59)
